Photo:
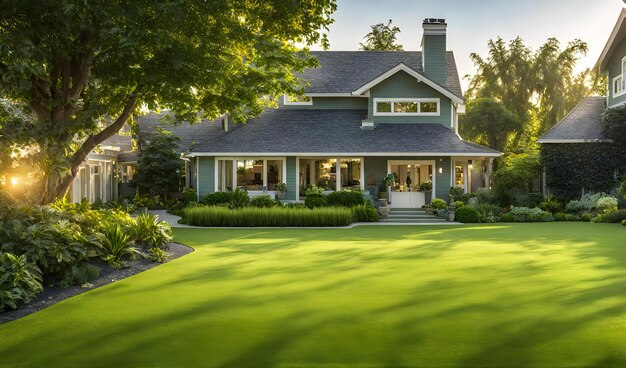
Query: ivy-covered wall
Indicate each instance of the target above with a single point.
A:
(570, 167)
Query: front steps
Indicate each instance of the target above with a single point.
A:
(411, 216)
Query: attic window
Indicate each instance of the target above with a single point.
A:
(406, 107)
(296, 100)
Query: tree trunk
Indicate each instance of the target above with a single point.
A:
(58, 187)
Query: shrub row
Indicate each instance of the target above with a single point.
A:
(270, 217)
(342, 198)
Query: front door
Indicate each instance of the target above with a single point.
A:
(410, 175)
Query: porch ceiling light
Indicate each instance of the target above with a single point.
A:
(441, 170)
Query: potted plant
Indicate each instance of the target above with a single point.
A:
(408, 182)
(427, 188)
(389, 180)
(280, 188)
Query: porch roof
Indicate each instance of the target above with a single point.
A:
(315, 132)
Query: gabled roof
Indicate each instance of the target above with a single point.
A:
(343, 72)
(420, 78)
(582, 125)
(123, 142)
(316, 132)
(618, 33)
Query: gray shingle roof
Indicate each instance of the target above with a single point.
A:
(346, 71)
(124, 142)
(583, 123)
(314, 131)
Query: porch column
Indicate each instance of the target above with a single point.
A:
(338, 174)
(488, 173)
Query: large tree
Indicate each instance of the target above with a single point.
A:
(540, 86)
(84, 68)
(488, 122)
(381, 37)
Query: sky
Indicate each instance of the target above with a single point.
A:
(471, 23)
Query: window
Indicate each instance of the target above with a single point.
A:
(319, 172)
(619, 85)
(249, 174)
(406, 106)
(351, 173)
(295, 100)
(126, 173)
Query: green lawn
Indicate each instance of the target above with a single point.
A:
(507, 295)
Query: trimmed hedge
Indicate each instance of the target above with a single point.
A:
(217, 198)
(269, 217)
(315, 201)
(467, 214)
(364, 213)
(345, 198)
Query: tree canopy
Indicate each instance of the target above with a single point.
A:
(381, 37)
(84, 68)
(159, 167)
(490, 123)
(539, 86)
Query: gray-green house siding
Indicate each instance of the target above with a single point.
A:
(435, 58)
(403, 85)
(205, 175)
(615, 69)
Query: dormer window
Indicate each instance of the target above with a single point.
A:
(296, 100)
(619, 87)
(406, 107)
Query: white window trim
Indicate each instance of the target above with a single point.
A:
(287, 102)
(416, 100)
(621, 76)
(337, 170)
(248, 158)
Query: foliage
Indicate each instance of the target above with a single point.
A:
(115, 246)
(189, 195)
(613, 216)
(538, 86)
(442, 213)
(507, 217)
(149, 231)
(624, 222)
(438, 203)
(570, 217)
(364, 212)
(315, 201)
(525, 214)
(79, 274)
(239, 199)
(572, 166)
(458, 204)
(490, 123)
(382, 37)
(51, 245)
(313, 190)
(145, 201)
(216, 198)
(158, 254)
(276, 216)
(586, 217)
(159, 165)
(426, 186)
(606, 204)
(20, 281)
(587, 202)
(487, 212)
(280, 187)
(558, 216)
(262, 201)
(614, 124)
(457, 192)
(85, 68)
(551, 204)
(345, 198)
(467, 214)
(515, 177)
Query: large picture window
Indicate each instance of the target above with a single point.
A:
(249, 174)
(351, 173)
(406, 106)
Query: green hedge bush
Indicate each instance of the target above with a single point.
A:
(467, 214)
(345, 198)
(438, 204)
(217, 198)
(364, 213)
(315, 201)
(525, 214)
(277, 216)
(262, 201)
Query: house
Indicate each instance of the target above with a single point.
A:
(366, 114)
(580, 132)
(106, 172)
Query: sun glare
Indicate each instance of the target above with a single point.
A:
(14, 181)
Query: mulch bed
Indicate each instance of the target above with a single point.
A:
(54, 294)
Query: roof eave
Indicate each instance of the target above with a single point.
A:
(608, 47)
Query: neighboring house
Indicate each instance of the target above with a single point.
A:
(366, 114)
(105, 174)
(583, 125)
